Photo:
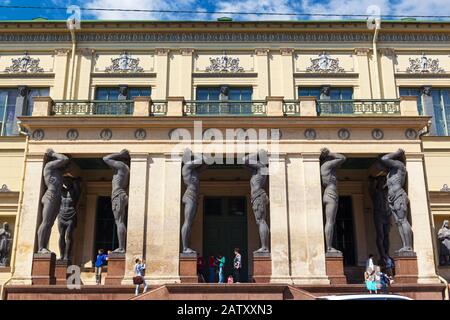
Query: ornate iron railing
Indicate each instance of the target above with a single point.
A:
(224, 108)
(359, 107)
(93, 107)
(291, 107)
(158, 108)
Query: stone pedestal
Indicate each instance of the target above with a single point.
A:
(262, 267)
(116, 269)
(43, 269)
(334, 263)
(61, 272)
(188, 268)
(406, 270)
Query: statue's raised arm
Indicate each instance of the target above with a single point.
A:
(59, 160)
(115, 160)
(392, 160)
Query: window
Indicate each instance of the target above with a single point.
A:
(112, 94)
(441, 107)
(7, 111)
(334, 94)
(9, 105)
(234, 106)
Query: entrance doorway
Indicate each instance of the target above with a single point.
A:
(105, 226)
(225, 228)
(344, 239)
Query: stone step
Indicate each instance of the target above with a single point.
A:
(250, 291)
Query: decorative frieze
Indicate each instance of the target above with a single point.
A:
(25, 64)
(224, 64)
(124, 64)
(226, 37)
(424, 65)
(324, 64)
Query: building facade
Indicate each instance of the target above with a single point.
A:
(292, 87)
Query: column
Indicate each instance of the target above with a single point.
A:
(185, 73)
(83, 91)
(162, 74)
(365, 86)
(312, 193)
(137, 208)
(279, 230)
(387, 60)
(262, 67)
(60, 69)
(297, 220)
(29, 215)
(420, 219)
(428, 108)
(163, 219)
(287, 65)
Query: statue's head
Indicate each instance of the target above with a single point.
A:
(6, 225)
(224, 90)
(324, 152)
(49, 153)
(445, 224)
(402, 156)
(68, 180)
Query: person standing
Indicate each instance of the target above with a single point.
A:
(369, 277)
(389, 266)
(139, 269)
(100, 261)
(369, 262)
(237, 265)
(221, 262)
(212, 269)
(201, 269)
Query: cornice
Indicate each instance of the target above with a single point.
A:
(396, 122)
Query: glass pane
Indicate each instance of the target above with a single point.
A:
(138, 92)
(309, 92)
(446, 101)
(9, 121)
(108, 94)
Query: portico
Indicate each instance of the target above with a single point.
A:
(155, 189)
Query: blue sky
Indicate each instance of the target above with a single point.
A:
(339, 7)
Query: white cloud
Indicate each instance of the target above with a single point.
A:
(278, 6)
(339, 7)
(146, 5)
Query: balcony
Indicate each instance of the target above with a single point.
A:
(358, 107)
(224, 108)
(271, 107)
(92, 108)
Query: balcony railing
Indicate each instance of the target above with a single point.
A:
(158, 108)
(291, 107)
(94, 107)
(358, 107)
(224, 108)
